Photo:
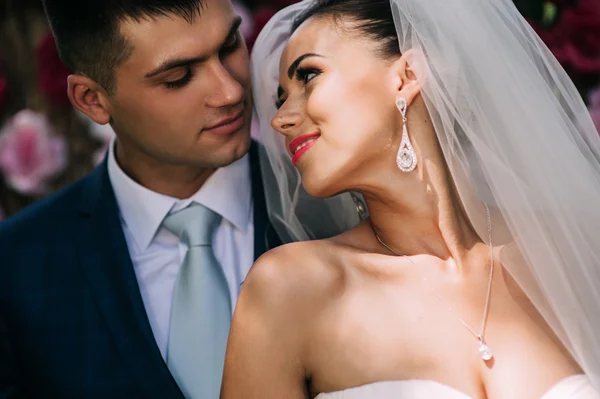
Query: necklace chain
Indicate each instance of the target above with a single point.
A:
(489, 290)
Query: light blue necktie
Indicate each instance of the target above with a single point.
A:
(201, 311)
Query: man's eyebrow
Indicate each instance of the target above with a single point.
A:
(185, 61)
(295, 64)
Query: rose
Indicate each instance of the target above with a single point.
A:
(52, 73)
(575, 38)
(30, 156)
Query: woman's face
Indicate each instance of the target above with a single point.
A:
(336, 106)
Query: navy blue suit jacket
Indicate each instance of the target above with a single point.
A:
(72, 320)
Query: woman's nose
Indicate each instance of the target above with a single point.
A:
(286, 120)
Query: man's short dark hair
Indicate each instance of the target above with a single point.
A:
(87, 32)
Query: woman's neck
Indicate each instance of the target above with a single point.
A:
(422, 215)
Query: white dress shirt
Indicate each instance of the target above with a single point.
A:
(157, 254)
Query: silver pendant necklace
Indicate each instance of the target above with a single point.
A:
(485, 352)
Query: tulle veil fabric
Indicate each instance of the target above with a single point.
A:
(516, 135)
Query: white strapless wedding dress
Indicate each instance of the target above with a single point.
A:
(574, 387)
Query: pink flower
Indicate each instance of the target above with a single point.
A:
(30, 156)
(595, 107)
(575, 39)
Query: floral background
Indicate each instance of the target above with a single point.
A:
(45, 144)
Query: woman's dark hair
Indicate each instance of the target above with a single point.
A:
(372, 18)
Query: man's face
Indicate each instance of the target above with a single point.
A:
(183, 97)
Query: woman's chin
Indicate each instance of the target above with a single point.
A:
(319, 186)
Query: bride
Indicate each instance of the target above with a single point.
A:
(474, 270)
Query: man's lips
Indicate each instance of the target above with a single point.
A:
(301, 144)
(227, 126)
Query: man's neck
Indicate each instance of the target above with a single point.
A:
(175, 181)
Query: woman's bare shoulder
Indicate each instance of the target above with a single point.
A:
(296, 275)
(303, 260)
(306, 273)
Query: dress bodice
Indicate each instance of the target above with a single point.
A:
(574, 387)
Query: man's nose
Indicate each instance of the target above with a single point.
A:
(225, 90)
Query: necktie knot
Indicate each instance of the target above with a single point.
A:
(193, 225)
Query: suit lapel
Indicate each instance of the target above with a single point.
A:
(110, 274)
(109, 271)
(265, 237)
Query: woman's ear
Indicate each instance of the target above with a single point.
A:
(410, 71)
(89, 97)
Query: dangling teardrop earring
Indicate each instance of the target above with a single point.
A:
(407, 157)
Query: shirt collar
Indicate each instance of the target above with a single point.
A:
(227, 192)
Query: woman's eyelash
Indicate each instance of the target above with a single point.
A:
(181, 82)
(304, 74)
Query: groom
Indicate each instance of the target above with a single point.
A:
(123, 284)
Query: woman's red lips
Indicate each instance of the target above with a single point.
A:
(301, 144)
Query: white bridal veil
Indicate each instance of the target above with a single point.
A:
(515, 134)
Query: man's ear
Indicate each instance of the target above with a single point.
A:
(89, 97)
(410, 70)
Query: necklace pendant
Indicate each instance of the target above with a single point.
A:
(485, 352)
